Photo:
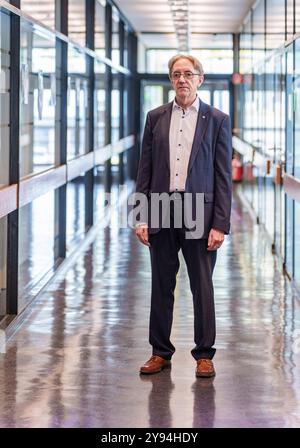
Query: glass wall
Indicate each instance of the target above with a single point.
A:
(76, 21)
(153, 97)
(289, 19)
(279, 154)
(126, 43)
(157, 60)
(126, 107)
(297, 110)
(215, 51)
(36, 244)
(115, 55)
(289, 211)
(38, 99)
(215, 60)
(275, 24)
(297, 16)
(4, 96)
(99, 110)
(78, 88)
(63, 108)
(297, 243)
(3, 253)
(115, 114)
(296, 169)
(115, 109)
(75, 211)
(245, 92)
(4, 143)
(100, 27)
(269, 119)
(41, 10)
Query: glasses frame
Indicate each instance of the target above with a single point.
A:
(187, 75)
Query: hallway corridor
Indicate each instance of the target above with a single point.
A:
(74, 361)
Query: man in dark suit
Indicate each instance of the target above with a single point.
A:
(186, 149)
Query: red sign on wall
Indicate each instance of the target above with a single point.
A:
(237, 78)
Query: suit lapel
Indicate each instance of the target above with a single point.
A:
(201, 126)
(165, 122)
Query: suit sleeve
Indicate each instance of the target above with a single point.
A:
(223, 179)
(145, 165)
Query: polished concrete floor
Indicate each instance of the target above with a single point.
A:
(74, 360)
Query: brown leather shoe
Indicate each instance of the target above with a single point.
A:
(205, 368)
(155, 364)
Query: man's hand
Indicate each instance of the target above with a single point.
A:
(142, 233)
(215, 239)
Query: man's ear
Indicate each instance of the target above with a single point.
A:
(201, 79)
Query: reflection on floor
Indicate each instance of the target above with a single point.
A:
(74, 361)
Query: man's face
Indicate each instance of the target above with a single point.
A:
(186, 88)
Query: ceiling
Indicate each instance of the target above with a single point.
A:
(205, 16)
(154, 21)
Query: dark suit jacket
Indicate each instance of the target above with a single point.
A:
(209, 169)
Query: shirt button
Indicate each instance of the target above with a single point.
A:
(176, 174)
(180, 130)
(177, 159)
(179, 144)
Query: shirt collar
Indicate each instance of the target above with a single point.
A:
(194, 106)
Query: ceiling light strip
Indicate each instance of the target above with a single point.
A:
(180, 16)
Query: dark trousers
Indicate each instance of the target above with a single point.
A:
(164, 249)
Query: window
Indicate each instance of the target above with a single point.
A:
(38, 100)
(78, 88)
(4, 96)
(100, 27)
(76, 21)
(41, 10)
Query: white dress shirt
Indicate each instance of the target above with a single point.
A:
(181, 136)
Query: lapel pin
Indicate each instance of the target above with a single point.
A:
(203, 116)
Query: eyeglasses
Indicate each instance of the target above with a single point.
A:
(187, 75)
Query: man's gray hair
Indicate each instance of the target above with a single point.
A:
(196, 63)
